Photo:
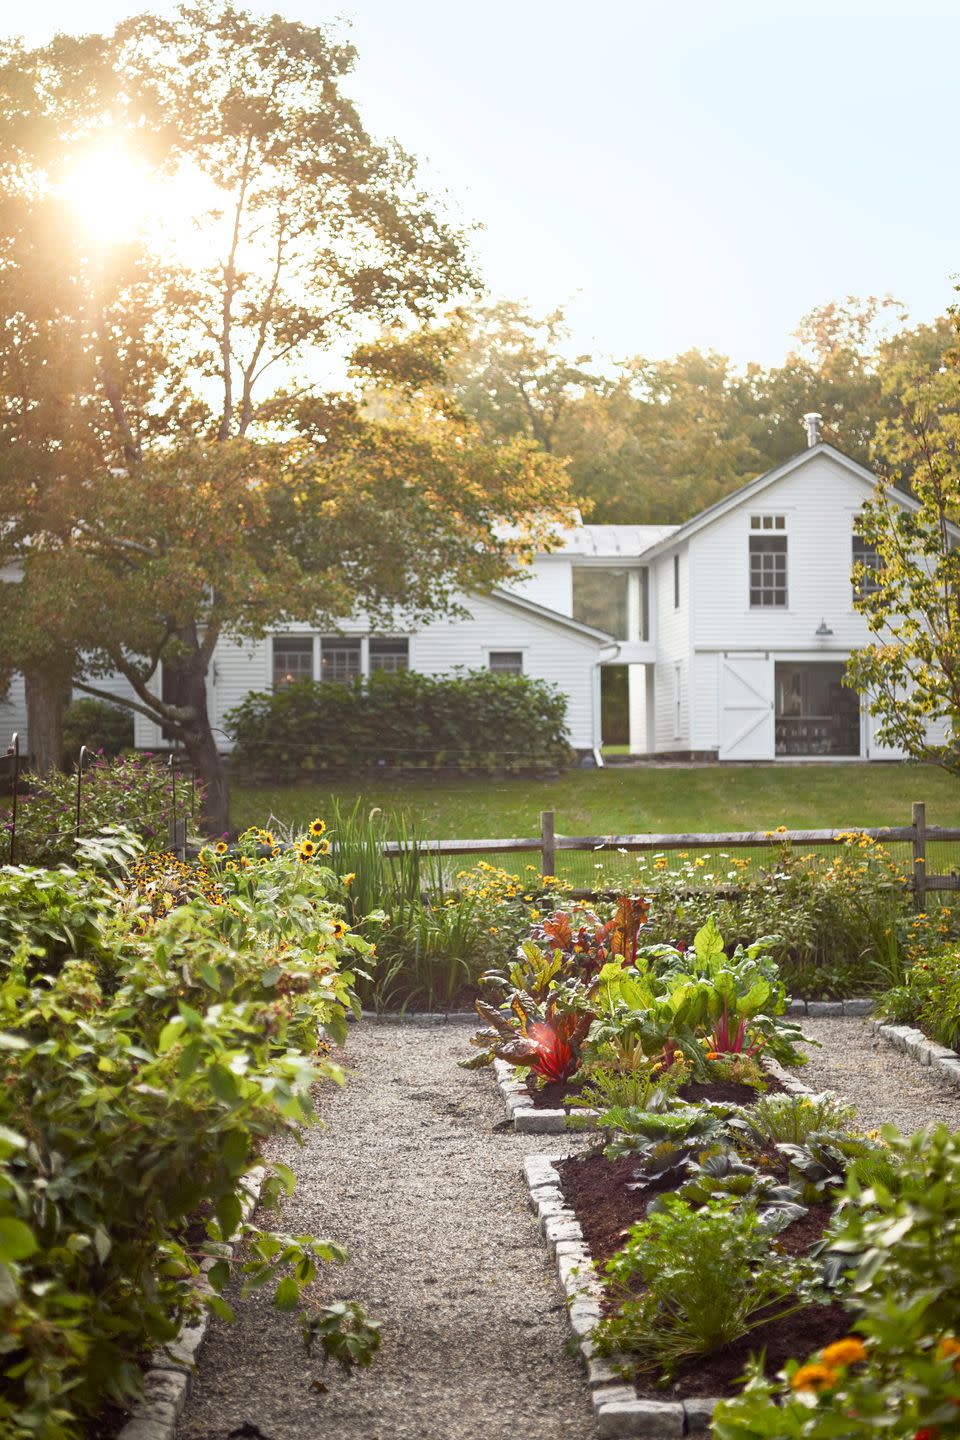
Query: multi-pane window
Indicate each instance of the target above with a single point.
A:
(768, 568)
(390, 654)
(292, 659)
(506, 662)
(339, 659)
(768, 522)
(865, 554)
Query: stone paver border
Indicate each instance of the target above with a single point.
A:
(926, 1052)
(819, 1009)
(620, 1412)
(166, 1383)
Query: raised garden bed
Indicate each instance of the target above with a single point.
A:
(583, 1208)
(543, 1110)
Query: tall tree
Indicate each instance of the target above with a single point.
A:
(910, 673)
(149, 487)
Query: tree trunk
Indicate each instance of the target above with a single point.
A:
(189, 681)
(48, 695)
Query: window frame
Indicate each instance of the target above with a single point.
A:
(304, 646)
(765, 579)
(495, 670)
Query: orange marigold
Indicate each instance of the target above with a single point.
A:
(814, 1377)
(849, 1351)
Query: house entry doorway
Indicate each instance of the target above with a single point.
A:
(816, 714)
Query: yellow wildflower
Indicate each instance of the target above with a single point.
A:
(814, 1377)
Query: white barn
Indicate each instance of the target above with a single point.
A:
(734, 628)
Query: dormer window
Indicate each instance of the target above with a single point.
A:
(768, 562)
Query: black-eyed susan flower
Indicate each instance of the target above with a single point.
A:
(317, 827)
(221, 847)
(339, 929)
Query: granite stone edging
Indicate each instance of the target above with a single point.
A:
(821, 1009)
(167, 1380)
(926, 1052)
(619, 1410)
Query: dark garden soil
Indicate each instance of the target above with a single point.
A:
(596, 1189)
(557, 1094)
(108, 1422)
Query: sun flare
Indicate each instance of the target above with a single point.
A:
(113, 196)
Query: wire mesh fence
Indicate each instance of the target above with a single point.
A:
(924, 859)
(171, 816)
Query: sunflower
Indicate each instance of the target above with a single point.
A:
(323, 847)
(267, 839)
(231, 865)
(317, 827)
(306, 850)
(348, 879)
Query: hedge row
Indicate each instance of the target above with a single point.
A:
(474, 721)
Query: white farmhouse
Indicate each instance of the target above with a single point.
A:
(733, 629)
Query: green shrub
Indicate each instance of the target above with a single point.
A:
(132, 791)
(105, 729)
(473, 721)
(147, 1060)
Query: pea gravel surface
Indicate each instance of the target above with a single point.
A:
(411, 1176)
(887, 1086)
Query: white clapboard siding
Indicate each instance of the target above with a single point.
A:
(673, 650)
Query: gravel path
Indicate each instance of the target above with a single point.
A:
(411, 1177)
(886, 1086)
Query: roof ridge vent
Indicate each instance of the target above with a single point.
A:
(813, 420)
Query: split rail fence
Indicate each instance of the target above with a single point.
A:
(925, 842)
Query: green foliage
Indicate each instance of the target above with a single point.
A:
(133, 791)
(794, 1118)
(706, 1277)
(105, 729)
(897, 1239)
(147, 1061)
(660, 439)
(473, 721)
(910, 672)
(929, 997)
(835, 925)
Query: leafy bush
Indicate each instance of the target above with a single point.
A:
(150, 1050)
(836, 925)
(133, 791)
(105, 729)
(929, 997)
(706, 1277)
(898, 1240)
(473, 721)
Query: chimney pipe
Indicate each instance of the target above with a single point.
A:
(813, 421)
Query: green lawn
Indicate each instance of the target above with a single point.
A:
(618, 800)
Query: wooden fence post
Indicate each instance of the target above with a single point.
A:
(548, 854)
(920, 854)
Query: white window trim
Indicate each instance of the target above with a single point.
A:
(677, 702)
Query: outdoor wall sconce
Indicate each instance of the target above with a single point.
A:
(823, 630)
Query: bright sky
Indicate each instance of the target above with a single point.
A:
(676, 174)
